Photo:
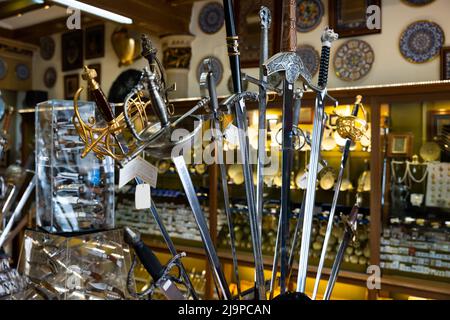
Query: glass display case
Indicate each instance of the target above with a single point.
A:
(74, 193)
(94, 266)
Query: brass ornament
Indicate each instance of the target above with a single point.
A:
(351, 127)
(126, 47)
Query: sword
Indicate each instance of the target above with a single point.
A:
(327, 38)
(345, 154)
(266, 19)
(107, 112)
(207, 80)
(349, 236)
(241, 119)
(153, 266)
(291, 65)
(4, 134)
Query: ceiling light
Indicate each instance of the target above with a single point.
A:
(95, 11)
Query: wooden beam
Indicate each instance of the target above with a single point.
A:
(156, 16)
(32, 34)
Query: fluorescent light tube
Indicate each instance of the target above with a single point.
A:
(95, 11)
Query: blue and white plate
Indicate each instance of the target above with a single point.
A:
(422, 41)
(309, 14)
(217, 69)
(22, 71)
(3, 69)
(310, 57)
(211, 18)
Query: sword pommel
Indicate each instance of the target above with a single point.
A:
(265, 17)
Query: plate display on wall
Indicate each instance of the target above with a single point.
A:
(22, 71)
(217, 69)
(3, 69)
(418, 3)
(309, 14)
(421, 41)
(353, 60)
(310, 57)
(50, 77)
(211, 18)
(47, 47)
(230, 85)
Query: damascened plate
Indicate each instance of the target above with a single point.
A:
(310, 57)
(421, 41)
(22, 71)
(50, 77)
(217, 69)
(353, 60)
(309, 14)
(430, 151)
(418, 3)
(211, 18)
(47, 46)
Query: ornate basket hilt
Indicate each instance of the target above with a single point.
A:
(352, 127)
(100, 139)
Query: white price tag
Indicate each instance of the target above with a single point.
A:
(231, 133)
(304, 181)
(138, 167)
(143, 196)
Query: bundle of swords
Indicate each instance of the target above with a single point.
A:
(133, 132)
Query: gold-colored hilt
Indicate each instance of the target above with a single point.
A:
(352, 127)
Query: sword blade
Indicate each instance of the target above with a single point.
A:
(310, 192)
(250, 190)
(211, 253)
(226, 197)
(345, 154)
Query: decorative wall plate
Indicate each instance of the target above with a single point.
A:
(421, 41)
(309, 14)
(353, 60)
(217, 69)
(22, 71)
(211, 17)
(47, 46)
(418, 3)
(3, 69)
(310, 57)
(50, 77)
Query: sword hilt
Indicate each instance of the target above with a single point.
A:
(327, 39)
(99, 96)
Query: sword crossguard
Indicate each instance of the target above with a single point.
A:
(291, 64)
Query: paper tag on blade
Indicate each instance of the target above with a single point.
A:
(143, 196)
(231, 133)
(138, 167)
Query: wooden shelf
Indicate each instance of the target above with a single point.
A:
(411, 286)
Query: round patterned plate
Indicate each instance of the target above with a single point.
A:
(217, 69)
(3, 69)
(22, 71)
(50, 77)
(421, 41)
(418, 3)
(353, 60)
(310, 57)
(47, 47)
(211, 17)
(309, 14)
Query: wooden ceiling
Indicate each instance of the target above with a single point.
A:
(157, 17)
